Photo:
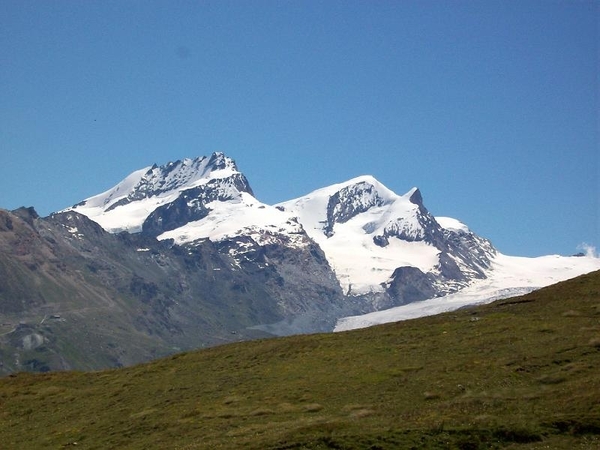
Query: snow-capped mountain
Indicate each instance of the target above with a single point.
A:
(378, 241)
(190, 200)
(359, 243)
(190, 183)
(183, 255)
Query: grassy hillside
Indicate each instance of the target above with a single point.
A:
(520, 373)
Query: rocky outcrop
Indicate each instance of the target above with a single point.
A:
(409, 284)
(350, 201)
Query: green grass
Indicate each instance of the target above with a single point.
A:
(519, 373)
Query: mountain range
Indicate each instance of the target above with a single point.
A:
(183, 255)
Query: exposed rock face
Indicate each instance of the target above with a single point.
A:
(119, 299)
(474, 251)
(184, 209)
(87, 299)
(410, 284)
(308, 295)
(349, 202)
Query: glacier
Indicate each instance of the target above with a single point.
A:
(509, 276)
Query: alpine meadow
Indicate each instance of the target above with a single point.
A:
(519, 373)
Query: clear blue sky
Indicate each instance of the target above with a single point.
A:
(491, 108)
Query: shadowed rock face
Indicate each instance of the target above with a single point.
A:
(174, 215)
(73, 296)
(409, 284)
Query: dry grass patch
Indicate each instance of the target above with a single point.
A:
(312, 407)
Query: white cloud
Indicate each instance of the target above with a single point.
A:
(588, 250)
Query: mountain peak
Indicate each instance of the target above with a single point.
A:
(186, 172)
(218, 161)
(414, 196)
(128, 204)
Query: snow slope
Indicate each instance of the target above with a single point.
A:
(360, 265)
(509, 276)
(247, 217)
(126, 206)
(452, 224)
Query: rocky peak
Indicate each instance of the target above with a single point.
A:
(200, 180)
(28, 214)
(218, 161)
(416, 197)
(175, 176)
(351, 201)
(191, 203)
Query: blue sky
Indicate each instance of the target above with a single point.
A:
(490, 108)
